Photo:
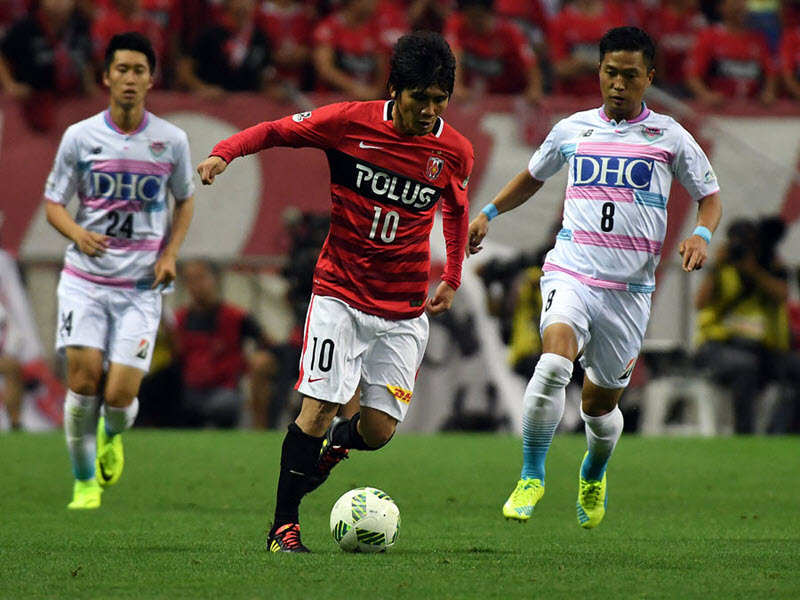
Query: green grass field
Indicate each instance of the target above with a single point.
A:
(687, 518)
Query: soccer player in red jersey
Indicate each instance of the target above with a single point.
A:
(390, 163)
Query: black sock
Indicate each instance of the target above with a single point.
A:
(347, 436)
(298, 457)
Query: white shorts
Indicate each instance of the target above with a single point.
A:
(344, 348)
(121, 322)
(609, 325)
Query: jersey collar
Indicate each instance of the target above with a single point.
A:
(110, 122)
(642, 115)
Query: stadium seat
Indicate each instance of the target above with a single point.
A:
(706, 411)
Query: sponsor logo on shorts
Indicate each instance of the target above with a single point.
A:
(399, 393)
(144, 346)
(629, 369)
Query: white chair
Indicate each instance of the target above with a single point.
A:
(709, 412)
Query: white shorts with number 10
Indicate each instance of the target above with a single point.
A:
(609, 325)
(344, 348)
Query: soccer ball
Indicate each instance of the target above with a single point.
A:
(365, 520)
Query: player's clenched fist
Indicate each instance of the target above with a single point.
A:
(477, 231)
(210, 168)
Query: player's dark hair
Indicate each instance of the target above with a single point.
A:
(130, 41)
(422, 59)
(629, 38)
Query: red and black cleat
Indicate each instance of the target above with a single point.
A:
(329, 457)
(286, 538)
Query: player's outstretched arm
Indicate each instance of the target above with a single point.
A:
(694, 249)
(515, 193)
(442, 300)
(89, 242)
(210, 168)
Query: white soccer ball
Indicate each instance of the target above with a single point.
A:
(365, 520)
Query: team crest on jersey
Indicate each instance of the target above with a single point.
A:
(435, 166)
(144, 346)
(629, 369)
(157, 148)
(298, 117)
(651, 133)
(399, 393)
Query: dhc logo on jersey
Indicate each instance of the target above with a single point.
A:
(126, 186)
(613, 171)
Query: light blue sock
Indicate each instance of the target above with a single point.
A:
(602, 434)
(80, 418)
(543, 407)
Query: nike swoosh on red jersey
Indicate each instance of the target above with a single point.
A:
(312, 380)
(368, 147)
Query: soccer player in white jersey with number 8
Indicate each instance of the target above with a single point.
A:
(122, 163)
(598, 279)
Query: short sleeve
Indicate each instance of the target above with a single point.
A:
(693, 169)
(63, 179)
(549, 158)
(181, 182)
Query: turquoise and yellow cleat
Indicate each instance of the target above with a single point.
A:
(592, 502)
(110, 458)
(523, 499)
(85, 495)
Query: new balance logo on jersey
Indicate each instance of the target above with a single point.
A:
(613, 171)
(126, 186)
(381, 185)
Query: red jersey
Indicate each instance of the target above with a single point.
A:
(109, 23)
(790, 53)
(500, 58)
(675, 33)
(288, 28)
(574, 33)
(357, 49)
(384, 189)
(731, 62)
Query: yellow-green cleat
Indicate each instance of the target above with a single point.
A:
(110, 458)
(523, 499)
(85, 495)
(592, 501)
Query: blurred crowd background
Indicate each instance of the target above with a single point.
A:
(231, 336)
(712, 50)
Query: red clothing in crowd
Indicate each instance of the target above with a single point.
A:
(384, 189)
(790, 52)
(675, 33)
(733, 63)
(357, 49)
(110, 22)
(498, 59)
(287, 28)
(211, 345)
(573, 33)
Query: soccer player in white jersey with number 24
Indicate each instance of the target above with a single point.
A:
(122, 163)
(599, 277)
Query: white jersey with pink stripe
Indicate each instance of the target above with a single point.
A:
(122, 181)
(615, 210)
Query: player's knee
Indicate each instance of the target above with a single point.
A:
(377, 435)
(554, 370)
(84, 380)
(118, 397)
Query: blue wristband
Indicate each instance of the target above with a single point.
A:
(490, 210)
(703, 232)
